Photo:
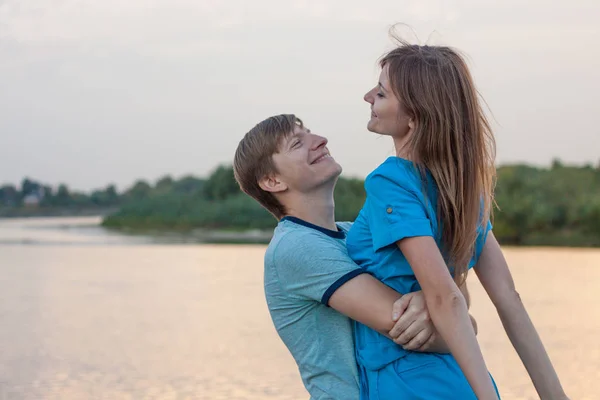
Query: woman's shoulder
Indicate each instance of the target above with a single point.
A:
(394, 171)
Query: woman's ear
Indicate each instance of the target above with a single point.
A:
(411, 125)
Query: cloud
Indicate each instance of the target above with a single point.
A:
(92, 82)
(138, 20)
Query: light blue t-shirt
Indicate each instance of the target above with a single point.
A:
(399, 205)
(304, 265)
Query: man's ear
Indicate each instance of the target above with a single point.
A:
(272, 184)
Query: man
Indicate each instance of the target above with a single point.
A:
(311, 284)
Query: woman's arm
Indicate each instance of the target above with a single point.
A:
(448, 309)
(492, 270)
(406, 310)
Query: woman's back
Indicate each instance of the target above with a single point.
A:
(425, 227)
(400, 204)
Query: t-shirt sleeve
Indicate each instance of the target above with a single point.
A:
(311, 267)
(482, 234)
(395, 210)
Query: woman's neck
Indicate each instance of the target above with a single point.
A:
(402, 148)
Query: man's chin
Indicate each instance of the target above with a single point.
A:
(336, 174)
(339, 169)
(330, 178)
(336, 170)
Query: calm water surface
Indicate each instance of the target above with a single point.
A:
(90, 314)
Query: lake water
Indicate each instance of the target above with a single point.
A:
(90, 314)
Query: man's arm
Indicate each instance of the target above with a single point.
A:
(407, 310)
(370, 302)
(366, 300)
(309, 266)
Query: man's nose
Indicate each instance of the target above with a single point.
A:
(319, 141)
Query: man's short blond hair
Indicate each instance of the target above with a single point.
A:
(253, 158)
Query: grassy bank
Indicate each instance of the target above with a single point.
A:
(557, 206)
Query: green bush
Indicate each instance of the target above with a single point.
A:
(536, 206)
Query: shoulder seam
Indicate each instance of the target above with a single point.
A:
(307, 232)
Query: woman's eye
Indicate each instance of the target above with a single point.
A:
(380, 95)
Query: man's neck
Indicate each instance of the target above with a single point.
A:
(317, 208)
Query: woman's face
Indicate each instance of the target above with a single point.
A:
(388, 116)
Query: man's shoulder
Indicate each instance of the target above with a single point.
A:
(292, 239)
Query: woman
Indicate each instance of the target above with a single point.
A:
(425, 222)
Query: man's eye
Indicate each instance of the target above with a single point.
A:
(296, 144)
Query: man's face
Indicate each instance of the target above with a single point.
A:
(304, 163)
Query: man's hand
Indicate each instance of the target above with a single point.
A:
(413, 328)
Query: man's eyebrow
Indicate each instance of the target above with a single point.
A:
(297, 135)
(291, 138)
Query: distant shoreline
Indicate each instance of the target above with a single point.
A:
(161, 235)
(10, 213)
(231, 235)
(200, 235)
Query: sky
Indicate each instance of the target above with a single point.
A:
(109, 91)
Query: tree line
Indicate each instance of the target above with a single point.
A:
(559, 205)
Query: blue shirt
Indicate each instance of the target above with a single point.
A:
(399, 204)
(304, 265)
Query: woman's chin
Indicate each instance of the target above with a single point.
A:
(371, 126)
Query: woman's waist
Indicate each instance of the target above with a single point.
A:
(374, 350)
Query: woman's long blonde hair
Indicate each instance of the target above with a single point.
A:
(452, 139)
